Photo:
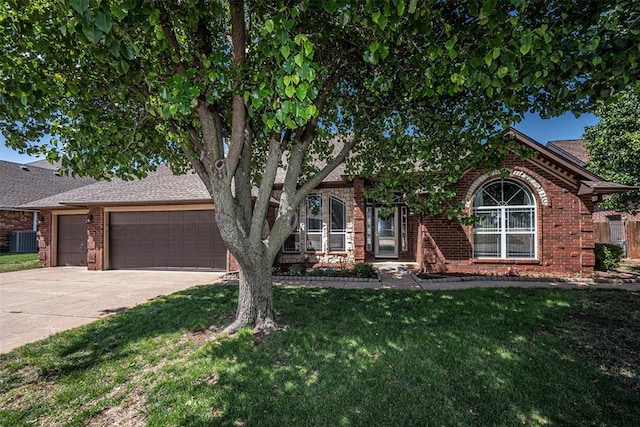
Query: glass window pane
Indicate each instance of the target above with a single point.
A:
(337, 242)
(520, 219)
(486, 245)
(489, 220)
(516, 195)
(338, 215)
(520, 246)
(314, 242)
(369, 229)
(314, 212)
(292, 244)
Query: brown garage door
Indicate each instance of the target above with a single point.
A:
(72, 240)
(173, 239)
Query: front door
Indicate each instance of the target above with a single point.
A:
(386, 236)
(72, 240)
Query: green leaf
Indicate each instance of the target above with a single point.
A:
(301, 91)
(487, 8)
(401, 8)
(290, 91)
(118, 11)
(308, 47)
(412, 6)
(345, 17)
(80, 6)
(451, 42)
(299, 60)
(269, 25)
(382, 22)
(285, 51)
(103, 22)
(503, 71)
(92, 33)
(374, 47)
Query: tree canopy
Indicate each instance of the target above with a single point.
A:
(235, 89)
(613, 145)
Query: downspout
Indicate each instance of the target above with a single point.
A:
(421, 237)
(35, 221)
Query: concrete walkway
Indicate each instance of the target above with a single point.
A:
(37, 303)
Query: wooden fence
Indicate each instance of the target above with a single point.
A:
(632, 231)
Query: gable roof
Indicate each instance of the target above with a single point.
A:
(573, 149)
(589, 183)
(21, 184)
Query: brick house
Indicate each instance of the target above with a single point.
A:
(537, 218)
(24, 183)
(621, 228)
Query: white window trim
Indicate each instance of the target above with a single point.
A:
(503, 232)
(337, 232)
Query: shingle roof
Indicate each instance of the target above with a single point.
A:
(160, 186)
(44, 164)
(572, 149)
(21, 184)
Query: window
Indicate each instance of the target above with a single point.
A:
(314, 223)
(369, 228)
(337, 225)
(507, 225)
(292, 244)
(403, 228)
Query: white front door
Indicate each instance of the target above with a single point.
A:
(386, 236)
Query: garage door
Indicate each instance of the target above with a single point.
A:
(174, 239)
(72, 240)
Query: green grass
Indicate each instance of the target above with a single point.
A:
(353, 358)
(16, 262)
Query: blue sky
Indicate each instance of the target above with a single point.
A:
(566, 126)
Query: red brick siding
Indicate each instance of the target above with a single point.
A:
(565, 232)
(13, 221)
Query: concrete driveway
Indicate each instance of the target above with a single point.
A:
(37, 303)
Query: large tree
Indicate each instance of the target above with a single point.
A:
(235, 89)
(613, 145)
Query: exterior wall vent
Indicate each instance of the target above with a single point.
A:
(23, 241)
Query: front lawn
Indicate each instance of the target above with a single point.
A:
(15, 262)
(345, 357)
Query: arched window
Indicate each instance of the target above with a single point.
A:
(507, 225)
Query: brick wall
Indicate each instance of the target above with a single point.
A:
(565, 238)
(13, 221)
(95, 239)
(45, 231)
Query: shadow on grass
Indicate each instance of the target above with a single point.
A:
(362, 357)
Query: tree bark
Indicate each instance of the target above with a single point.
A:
(255, 298)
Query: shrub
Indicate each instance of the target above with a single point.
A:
(330, 272)
(364, 270)
(313, 272)
(295, 270)
(607, 256)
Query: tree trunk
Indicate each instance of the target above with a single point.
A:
(255, 299)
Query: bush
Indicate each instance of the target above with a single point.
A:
(295, 270)
(364, 270)
(330, 272)
(607, 256)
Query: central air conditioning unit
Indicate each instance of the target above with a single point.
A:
(23, 241)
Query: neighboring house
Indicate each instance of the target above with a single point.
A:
(24, 183)
(620, 228)
(538, 218)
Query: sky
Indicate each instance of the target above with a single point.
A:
(566, 126)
